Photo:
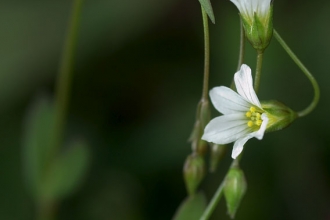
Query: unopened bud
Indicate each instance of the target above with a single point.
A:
(193, 172)
(279, 115)
(234, 189)
(258, 25)
(217, 153)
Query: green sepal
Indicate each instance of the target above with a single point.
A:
(203, 117)
(192, 208)
(193, 172)
(217, 152)
(234, 189)
(258, 32)
(279, 115)
(206, 4)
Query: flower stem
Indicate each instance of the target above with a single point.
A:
(241, 53)
(242, 47)
(258, 70)
(217, 196)
(314, 83)
(206, 55)
(63, 84)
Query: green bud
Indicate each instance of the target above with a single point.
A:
(202, 119)
(193, 172)
(259, 28)
(217, 153)
(280, 116)
(234, 189)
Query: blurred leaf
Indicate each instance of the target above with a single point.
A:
(37, 131)
(67, 171)
(206, 4)
(191, 208)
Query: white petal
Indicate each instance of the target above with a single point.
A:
(260, 133)
(227, 101)
(226, 129)
(243, 82)
(238, 146)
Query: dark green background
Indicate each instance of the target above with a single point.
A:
(138, 78)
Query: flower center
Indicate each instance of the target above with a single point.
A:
(255, 117)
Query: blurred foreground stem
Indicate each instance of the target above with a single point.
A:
(46, 207)
(63, 84)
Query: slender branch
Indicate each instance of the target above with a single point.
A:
(217, 196)
(63, 84)
(242, 47)
(314, 83)
(258, 71)
(206, 56)
(241, 52)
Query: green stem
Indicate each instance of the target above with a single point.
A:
(314, 83)
(217, 196)
(241, 48)
(206, 56)
(258, 70)
(63, 84)
(241, 53)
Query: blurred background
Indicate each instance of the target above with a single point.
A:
(137, 81)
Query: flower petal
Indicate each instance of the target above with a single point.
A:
(243, 82)
(260, 133)
(238, 146)
(227, 101)
(226, 129)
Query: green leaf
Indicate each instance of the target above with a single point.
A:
(67, 171)
(191, 208)
(206, 4)
(36, 146)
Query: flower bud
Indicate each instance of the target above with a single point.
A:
(279, 115)
(193, 172)
(234, 189)
(217, 153)
(258, 25)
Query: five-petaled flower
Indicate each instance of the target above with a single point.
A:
(243, 116)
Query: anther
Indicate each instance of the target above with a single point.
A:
(248, 114)
(250, 123)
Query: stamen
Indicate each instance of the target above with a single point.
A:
(250, 123)
(248, 114)
(258, 122)
(252, 109)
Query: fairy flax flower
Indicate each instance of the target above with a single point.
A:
(244, 117)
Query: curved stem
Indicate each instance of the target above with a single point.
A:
(206, 55)
(258, 70)
(314, 83)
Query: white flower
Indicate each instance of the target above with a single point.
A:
(247, 8)
(243, 117)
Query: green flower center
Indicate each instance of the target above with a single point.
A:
(255, 117)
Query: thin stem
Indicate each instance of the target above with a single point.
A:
(258, 71)
(314, 83)
(241, 52)
(217, 196)
(63, 84)
(242, 47)
(206, 55)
